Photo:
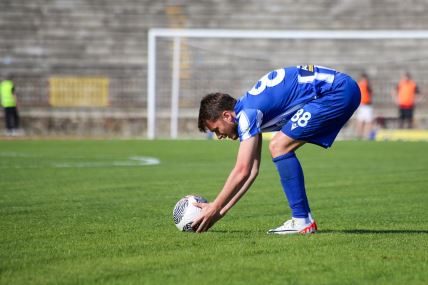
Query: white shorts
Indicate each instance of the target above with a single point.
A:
(365, 113)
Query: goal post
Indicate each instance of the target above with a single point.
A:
(358, 50)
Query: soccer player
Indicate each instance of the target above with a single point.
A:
(304, 104)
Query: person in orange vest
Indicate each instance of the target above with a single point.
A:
(405, 97)
(365, 110)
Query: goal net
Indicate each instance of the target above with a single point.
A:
(184, 65)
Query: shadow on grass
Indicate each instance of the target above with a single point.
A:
(327, 231)
(356, 231)
(364, 231)
(233, 231)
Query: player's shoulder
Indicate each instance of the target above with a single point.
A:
(249, 113)
(249, 122)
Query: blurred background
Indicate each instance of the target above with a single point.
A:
(80, 67)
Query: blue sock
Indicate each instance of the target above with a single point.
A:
(293, 183)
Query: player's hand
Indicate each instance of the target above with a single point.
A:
(210, 214)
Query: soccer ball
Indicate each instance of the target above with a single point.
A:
(185, 212)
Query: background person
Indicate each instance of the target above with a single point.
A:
(9, 103)
(365, 110)
(404, 96)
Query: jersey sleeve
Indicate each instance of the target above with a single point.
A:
(249, 122)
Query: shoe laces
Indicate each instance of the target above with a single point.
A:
(289, 224)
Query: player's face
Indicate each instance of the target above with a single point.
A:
(224, 127)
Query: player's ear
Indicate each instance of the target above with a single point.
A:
(227, 115)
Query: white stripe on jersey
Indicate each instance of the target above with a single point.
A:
(243, 125)
(326, 77)
(245, 129)
(321, 73)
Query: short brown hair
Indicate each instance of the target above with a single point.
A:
(212, 105)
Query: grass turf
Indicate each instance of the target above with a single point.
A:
(97, 221)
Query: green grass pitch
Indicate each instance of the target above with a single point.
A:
(84, 212)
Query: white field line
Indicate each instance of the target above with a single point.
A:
(132, 161)
(14, 154)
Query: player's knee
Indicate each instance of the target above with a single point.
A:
(280, 146)
(276, 147)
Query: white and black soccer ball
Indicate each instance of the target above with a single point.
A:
(185, 212)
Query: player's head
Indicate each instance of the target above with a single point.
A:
(216, 113)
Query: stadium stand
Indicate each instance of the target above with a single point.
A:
(44, 40)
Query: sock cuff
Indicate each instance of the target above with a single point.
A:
(284, 156)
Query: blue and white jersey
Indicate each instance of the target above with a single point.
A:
(277, 95)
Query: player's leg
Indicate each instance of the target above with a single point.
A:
(8, 119)
(360, 129)
(360, 123)
(410, 118)
(367, 127)
(369, 123)
(282, 148)
(366, 119)
(317, 122)
(15, 118)
(401, 118)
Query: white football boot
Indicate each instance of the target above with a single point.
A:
(296, 226)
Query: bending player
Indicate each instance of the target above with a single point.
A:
(304, 104)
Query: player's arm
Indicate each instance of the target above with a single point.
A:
(248, 153)
(247, 184)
